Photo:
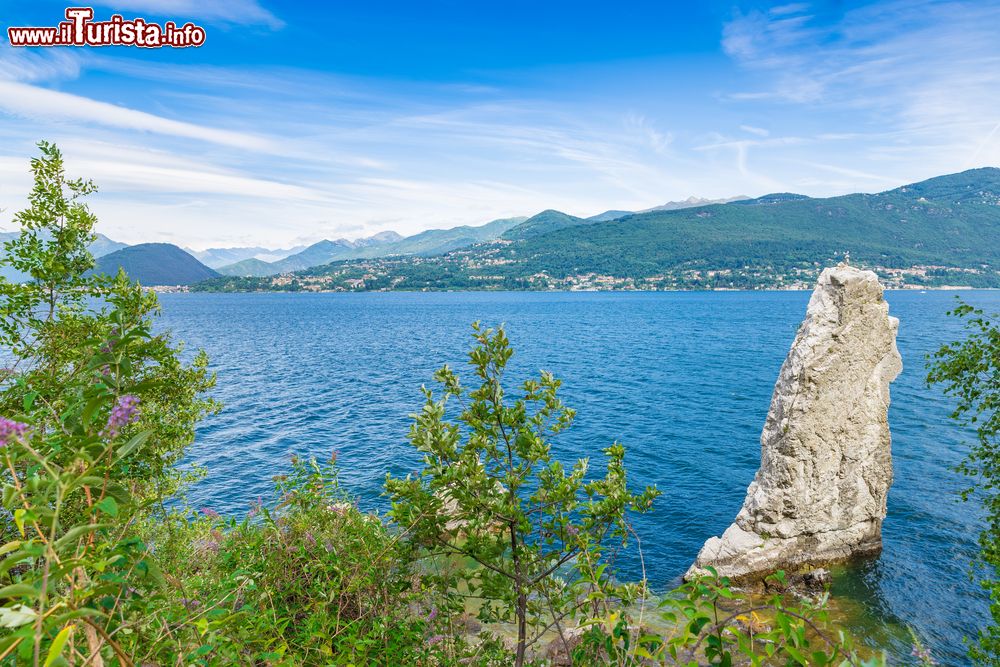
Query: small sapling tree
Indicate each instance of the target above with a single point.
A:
(491, 491)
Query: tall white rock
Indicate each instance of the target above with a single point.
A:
(826, 463)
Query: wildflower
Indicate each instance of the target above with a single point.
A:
(211, 544)
(434, 612)
(338, 508)
(11, 431)
(125, 411)
(435, 639)
(923, 655)
(189, 604)
(210, 513)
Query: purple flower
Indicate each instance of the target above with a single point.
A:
(434, 612)
(11, 431)
(125, 412)
(435, 639)
(923, 655)
(210, 513)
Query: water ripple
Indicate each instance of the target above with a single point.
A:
(683, 379)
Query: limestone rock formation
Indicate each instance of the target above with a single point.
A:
(826, 465)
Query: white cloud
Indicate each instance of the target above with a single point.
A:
(38, 64)
(33, 102)
(923, 74)
(238, 12)
(759, 131)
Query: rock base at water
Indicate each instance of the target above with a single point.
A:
(826, 467)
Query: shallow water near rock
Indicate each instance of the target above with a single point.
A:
(683, 379)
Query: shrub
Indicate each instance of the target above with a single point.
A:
(969, 370)
(316, 581)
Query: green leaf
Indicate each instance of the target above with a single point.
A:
(18, 590)
(796, 655)
(76, 532)
(137, 440)
(109, 506)
(10, 546)
(91, 408)
(55, 650)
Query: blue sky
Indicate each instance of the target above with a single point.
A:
(298, 121)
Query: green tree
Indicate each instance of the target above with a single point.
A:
(47, 321)
(96, 410)
(491, 491)
(969, 371)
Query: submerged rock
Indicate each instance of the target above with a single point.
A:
(826, 465)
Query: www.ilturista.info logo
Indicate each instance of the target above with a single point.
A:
(79, 29)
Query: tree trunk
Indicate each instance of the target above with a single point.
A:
(522, 626)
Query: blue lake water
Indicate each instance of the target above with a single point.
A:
(683, 379)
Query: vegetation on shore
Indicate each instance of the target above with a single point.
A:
(969, 370)
(102, 563)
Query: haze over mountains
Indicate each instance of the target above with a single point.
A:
(430, 242)
(942, 231)
(950, 224)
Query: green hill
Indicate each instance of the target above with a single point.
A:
(249, 267)
(943, 231)
(545, 222)
(155, 264)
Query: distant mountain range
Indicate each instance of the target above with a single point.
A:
(690, 202)
(430, 242)
(945, 230)
(942, 231)
(160, 263)
(217, 257)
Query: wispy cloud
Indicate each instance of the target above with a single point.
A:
(190, 149)
(34, 102)
(926, 70)
(38, 65)
(759, 131)
(238, 12)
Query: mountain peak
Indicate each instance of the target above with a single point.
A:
(692, 202)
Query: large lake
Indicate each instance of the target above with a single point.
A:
(683, 379)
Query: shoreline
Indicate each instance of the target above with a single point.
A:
(183, 289)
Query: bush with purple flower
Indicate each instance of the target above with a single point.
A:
(124, 412)
(11, 431)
